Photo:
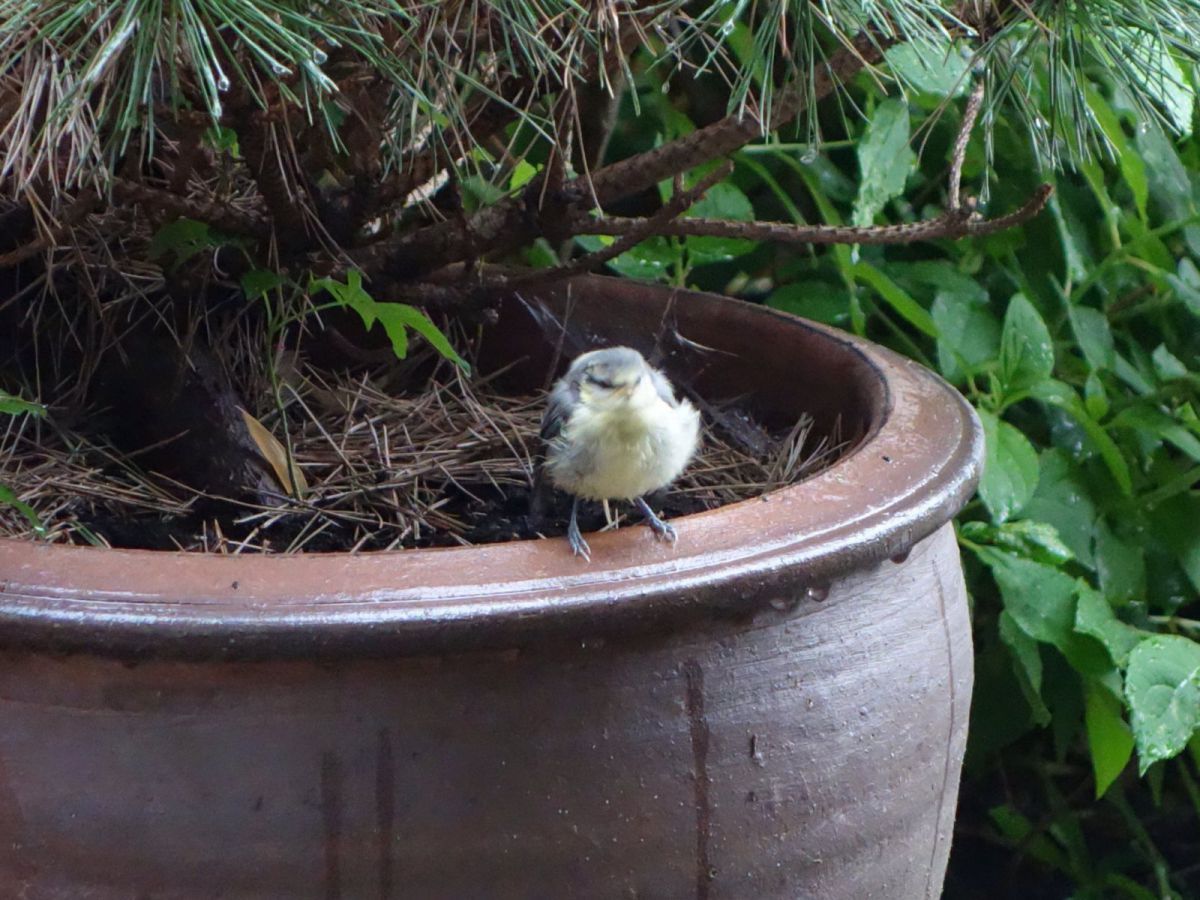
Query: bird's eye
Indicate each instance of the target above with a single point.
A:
(599, 380)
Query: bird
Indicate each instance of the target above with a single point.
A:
(613, 429)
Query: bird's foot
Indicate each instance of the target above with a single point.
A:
(578, 545)
(664, 531)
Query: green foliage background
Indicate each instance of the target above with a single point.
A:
(1076, 338)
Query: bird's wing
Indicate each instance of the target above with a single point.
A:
(665, 391)
(559, 404)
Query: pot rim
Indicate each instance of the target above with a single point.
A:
(915, 469)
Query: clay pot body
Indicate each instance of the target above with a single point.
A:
(774, 708)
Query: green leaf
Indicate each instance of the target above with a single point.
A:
(1094, 336)
(722, 201)
(1010, 469)
(396, 318)
(1095, 617)
(259, 282)
(1027, 666)
(1026, 352)
(896, 297)
(1120, 564)
(1063, 500)
(1038, 541)
(1186, 283)
(885, 160)
(1167, 366)
(968, 333)
(1148, 420)
(8, 497)
(1133, 169)
(182, 239)
(1110, 741)
(1162, 687)
(1177, 524)
(940, 71)
(653, 259)
(15, 406)
(1161, 78)
(1063, 396)
(522, 174)
(816, 300)
(1042, 602)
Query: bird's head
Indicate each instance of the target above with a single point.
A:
(610, 376)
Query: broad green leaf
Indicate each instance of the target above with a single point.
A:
(1161, 77)
(1042, 602)
(1162, 687)
(1038, 541)
(722, 201)
(1133, 169)
(1063, 396)
(258, 282)
(1026, 352)
(15, 406)
(1177, 524)
(1027, 666)
(1095, 617)
(896, 297)
(1120, 564)
(1186, 283)
(654, 259)
(933, 70)
(884, 159)
(8, 497)
(1094, 336)
(1010, 469)
(1063, 500)
(1149, 420)
(1110, 741)
(1167, 366)
(182, 239)
(816, 300)
(968, 333)
(522, 174)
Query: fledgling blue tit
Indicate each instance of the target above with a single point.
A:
(614, 430)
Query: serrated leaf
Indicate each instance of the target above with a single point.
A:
(1026, 352)
(885, 160)
(1121, 566)
(287, 473)
(1162, 687)
(1010, 469)
(1110, 742)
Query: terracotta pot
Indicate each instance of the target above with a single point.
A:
(774, 708)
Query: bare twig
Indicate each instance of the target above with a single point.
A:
(970, 114)
(954, 224)
(652, 225)
(174, 205)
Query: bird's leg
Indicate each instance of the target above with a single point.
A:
(578, 545)
(662, 530)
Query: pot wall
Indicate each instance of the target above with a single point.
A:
(812, 752)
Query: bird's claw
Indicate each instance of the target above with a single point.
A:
(664, 531)
(578, 545)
